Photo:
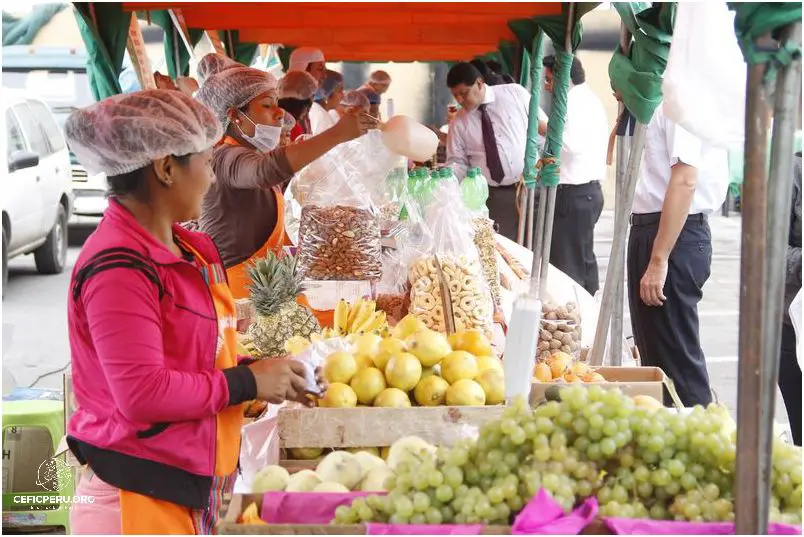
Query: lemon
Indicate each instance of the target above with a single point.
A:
(367, 384)
(340, 367)
(431, 391)
(458, 365)
(466, 392)
(403, 371)
(338, 395)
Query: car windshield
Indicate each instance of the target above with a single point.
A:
(62, 90)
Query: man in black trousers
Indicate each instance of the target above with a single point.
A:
(789, 370)
(682, 181)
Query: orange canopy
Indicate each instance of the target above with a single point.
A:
(365, 31)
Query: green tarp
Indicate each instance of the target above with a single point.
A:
(106, 45)
(529, 32)
(23, 30)
(752, 20)
(638, 75)
(173, 43)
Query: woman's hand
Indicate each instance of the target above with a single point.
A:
(280, 380)
(353, 126)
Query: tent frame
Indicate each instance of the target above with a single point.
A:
(763, 243)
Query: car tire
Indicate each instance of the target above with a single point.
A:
(51, 257)
(5, 262)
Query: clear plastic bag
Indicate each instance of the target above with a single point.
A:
(486, 248)
(339, 232)
(450, 245)
(393, 291)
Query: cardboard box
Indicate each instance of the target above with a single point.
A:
(630, 380)
(24, 451)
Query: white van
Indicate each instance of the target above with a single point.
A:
(37, 196)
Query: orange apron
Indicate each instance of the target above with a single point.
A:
(238, 275)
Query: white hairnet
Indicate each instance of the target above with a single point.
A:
(302, 57)
(297, 85)
(380, 77)
(213, 63)
(355, 98)
(127, 132)
(234, 87)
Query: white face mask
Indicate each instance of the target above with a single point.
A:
(266, 137)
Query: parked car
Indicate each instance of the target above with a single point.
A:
(58, 76)
(37, 196)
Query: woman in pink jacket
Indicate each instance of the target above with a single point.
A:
(158, 385)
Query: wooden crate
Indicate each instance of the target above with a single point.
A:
(234, 506)
(228, 524)
(630, 380)
(379, 427)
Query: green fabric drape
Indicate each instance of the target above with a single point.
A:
(532, 142)
(23, 30)
(524, 70)
(755, 19)
(162, 18)
(554, 27)
(638, 76)
(106, 45)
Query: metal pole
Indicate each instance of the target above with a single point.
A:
(523, 208)
(616, 344)
(531, 206)
(621, 164)
(749, 514)
(549, 201)
(538, 246)
(765, 372)
(617, 259)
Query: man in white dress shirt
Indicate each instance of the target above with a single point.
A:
(682, 181)
(579, 197)
(490, 132)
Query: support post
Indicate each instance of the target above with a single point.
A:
(623, 148)
(617, 259)
(766, 225)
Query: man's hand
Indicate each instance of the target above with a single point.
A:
(651, 286)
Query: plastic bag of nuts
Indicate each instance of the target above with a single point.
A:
(340, 243)
(560, 330)
(486, 247)
(392, 291)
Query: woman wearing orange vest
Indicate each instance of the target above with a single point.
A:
(243, 211)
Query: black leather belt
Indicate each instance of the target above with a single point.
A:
(650, 219)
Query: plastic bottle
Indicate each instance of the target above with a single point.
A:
(475, 191)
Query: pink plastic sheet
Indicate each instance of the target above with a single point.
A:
(632, 526)
(304, 507)
(543, 516)
(540, 516)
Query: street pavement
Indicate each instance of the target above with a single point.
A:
(35, 315)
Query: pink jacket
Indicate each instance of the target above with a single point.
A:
(143, 333)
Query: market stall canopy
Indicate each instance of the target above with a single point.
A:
(354, 31)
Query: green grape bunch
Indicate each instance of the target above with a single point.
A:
(637, 462)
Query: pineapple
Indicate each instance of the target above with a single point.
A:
(275, 283)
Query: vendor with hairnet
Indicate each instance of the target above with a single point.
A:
(353, 102)
(157, 423)
(373, 99)
(379, 82)
(309, 59)
(327, 98)
(243, 211)
(296, 92)
(213, 63)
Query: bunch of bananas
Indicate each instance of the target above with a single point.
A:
(360, 318)
(350, 321)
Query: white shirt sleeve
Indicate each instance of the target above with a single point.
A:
(456, 150)
(682, 146)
